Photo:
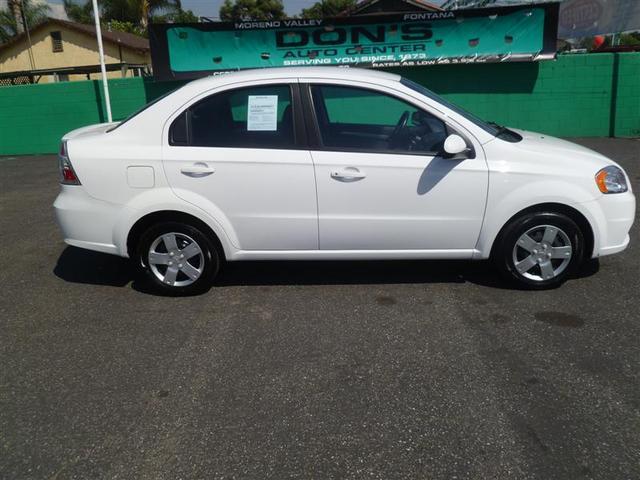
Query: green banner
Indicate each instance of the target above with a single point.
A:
(411, 39)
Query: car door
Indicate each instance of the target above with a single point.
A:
(382, 183)
(239, 155)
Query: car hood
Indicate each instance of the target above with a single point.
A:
(560, 150)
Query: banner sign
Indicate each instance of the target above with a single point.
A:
(585, 18)
(521, 33)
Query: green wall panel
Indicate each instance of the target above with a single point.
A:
(33, 118)
(576, 95)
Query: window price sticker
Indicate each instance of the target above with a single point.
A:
(262, 113)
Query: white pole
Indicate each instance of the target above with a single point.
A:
(107, 100)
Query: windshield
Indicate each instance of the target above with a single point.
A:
(488, 127)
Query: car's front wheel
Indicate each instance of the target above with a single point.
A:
(177, 259)
(539, 250)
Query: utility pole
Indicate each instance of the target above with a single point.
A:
(103, 69)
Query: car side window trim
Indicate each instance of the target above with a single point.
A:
(314, 136)
(299, 127)
(314, 141)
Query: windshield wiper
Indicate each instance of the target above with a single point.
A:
(500, 129)
(506, 134)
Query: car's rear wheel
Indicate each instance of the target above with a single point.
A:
(539, 250)
(177, 259)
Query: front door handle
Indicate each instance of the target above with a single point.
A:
(197, 170)
(348, 174)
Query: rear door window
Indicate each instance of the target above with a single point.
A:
(252, 117)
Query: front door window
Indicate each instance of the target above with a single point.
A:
(357, 119)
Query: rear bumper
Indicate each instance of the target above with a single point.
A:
(86, 222)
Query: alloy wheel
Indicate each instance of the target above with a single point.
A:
(176, 259)
(542, 253)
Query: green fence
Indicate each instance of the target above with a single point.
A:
(576, 95)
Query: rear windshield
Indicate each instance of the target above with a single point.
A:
(140, 110)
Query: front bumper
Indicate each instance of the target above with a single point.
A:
(613, 215)
(86, 222)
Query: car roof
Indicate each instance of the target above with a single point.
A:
(175, 101)
(346, 73)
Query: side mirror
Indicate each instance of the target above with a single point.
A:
(454, 145)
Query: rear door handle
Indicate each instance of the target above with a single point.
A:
(197, 170)
(348, 174)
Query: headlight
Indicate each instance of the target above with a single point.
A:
(611, 179)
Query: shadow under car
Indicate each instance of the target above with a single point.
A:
(77, 265)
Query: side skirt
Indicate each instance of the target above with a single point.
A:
(462, 254)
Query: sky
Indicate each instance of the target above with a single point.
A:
(202, 8)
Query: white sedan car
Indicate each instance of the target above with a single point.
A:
(333, 163)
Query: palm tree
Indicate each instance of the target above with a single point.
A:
(14, 8)
(12, 21)
(138, 12)
(149, 7)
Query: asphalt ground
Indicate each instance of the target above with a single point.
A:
(418, 370)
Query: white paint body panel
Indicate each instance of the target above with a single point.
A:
(542, 169)
(269, 201)
(283, 204)
(403, 202)
(140, 176)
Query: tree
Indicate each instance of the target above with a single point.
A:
(79, 13)
(181, 16)
(239, 10)
(622, 39)
(129, 27)
(16, 11)
(12, 23)
(141, 10)
(136, 12)
(632, 38)
(327, 8)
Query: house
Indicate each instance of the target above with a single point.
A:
(385, 7)
(58, 50)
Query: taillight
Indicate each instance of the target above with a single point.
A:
(67, 173)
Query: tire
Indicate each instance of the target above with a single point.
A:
(177, 259)
(539, 250)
